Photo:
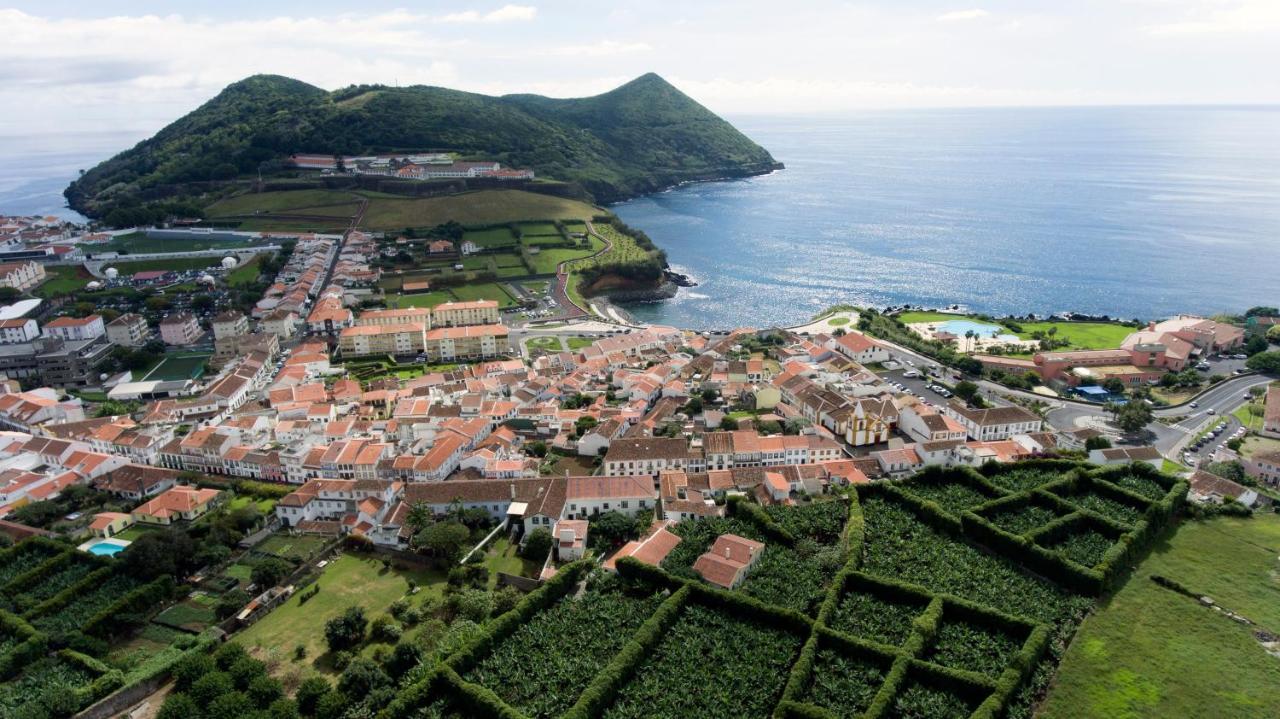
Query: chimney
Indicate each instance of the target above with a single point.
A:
(513, 491)
(727, 552)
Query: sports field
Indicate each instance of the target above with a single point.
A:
(176, 367)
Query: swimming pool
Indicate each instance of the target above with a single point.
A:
(981, 329)
(108, 547)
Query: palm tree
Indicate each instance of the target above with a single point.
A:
(419, 516)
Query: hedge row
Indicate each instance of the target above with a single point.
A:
(1013, 676)
(604, 687)
(32, 646)
(1025, 551)
(474, 700)
(68, 595)
(107, 680)
(553, 589)
(855, 532)
(117, 615)
(792, 702)
(49, 567)
(969, 477)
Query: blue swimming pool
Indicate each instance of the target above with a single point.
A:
(109, 547)
(981, 329)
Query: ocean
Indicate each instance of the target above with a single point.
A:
(36, 168)
(1127, 212)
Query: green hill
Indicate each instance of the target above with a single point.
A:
(643, 136)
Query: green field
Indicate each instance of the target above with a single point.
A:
(909, 318)
(1081, 335)
(176, 368)
(546, 261)
(62, 280)
(286, 201)
(347, 581)
(539, 228)
(484, 291)
(177, 264)
(296, 548)
(577, 343)
(472, 208)
(245, 274)
(425, 299)
(491, 237)
(138, 243)
(1151, 652)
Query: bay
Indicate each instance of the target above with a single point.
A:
(1129, 212)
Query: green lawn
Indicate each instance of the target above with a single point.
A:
(247, 273)
(292, 547)
(484, 291)
(472, 208)
(177, 264)
(1081, 335)
(265, 506)
(424, 299)
(538, 228)
(914, 317)
(1247, 418)
(577, 343)
(1150, 652)
(500, 556)
(62, 280)
(546, 344)
(347, 581)
(491, 237)
(536, 286)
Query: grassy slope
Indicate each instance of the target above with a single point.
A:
(472, 208)
(1152, 653)
(277, 202)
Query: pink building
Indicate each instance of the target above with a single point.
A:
(180, 329)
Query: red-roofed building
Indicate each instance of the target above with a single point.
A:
(727, 562)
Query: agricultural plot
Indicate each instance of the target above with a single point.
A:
(952, 492)
(845, 681)
(571, 640)
(720, 649)
(921, 617)
(877, 612)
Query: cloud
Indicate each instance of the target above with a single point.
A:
(506, 13)
(1253, 16)
(962, 15)
(602, 48)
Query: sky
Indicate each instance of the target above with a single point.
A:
(137, 65)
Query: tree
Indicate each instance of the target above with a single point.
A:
(584, 424)
(1114, 385)
(1098, 442)
(444, 539)
(155, 554)
(361, 677)
(611, 529)
(1268, 362)
(269, 572)
(114, 407)
(966, 390)
(1133, 417)
(1255, 344)
(309, 693)
(419, 517)
(536, 448)
(346, 631)
(1262, 311)
(537, 545)
(178, 706)
(404, 657)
